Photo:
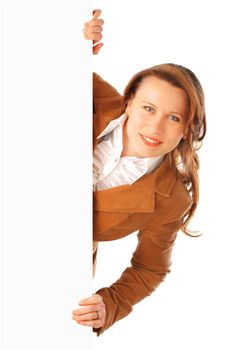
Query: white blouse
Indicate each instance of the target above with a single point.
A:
(109, 168)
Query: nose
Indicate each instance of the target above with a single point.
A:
(157, 124)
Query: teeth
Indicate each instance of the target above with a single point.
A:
(150, 140)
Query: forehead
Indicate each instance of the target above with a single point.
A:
(163, 94)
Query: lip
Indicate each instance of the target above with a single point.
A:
(150, 143)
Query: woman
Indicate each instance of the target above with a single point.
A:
(145, 176)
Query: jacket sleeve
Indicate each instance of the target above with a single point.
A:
(149, 265)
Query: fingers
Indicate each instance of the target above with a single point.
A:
(85, 310)
(95, 298)
(88, 317)
(92, 30)
(94, 22)
(96, 48)
(92, 313)
(93, 33)
(96, 37)
(94, 323)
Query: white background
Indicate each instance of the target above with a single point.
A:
(46, 174)
(193, 308)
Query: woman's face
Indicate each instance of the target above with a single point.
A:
(156, 119)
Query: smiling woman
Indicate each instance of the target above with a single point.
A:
(145, 145)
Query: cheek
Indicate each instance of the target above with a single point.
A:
(175, 136)
(135, 121)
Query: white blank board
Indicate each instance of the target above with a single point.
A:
(46, 216)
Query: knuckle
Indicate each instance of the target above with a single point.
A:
(102, 307)
(96, 29)
(97, 23)
(97, 298)
(98, 323)
(93, 36)
(88, 30)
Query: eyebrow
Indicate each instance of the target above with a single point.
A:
(150, 103)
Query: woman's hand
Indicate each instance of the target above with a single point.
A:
(92, 313)
(92, 31)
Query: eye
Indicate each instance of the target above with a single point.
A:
(174, 118)
(149, 108)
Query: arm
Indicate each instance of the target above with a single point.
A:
(102, 89)
(149, 265)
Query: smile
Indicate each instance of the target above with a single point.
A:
(153, 142)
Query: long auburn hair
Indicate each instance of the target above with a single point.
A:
(184, 156)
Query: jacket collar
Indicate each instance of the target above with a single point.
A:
(136, 197)
(105, 110)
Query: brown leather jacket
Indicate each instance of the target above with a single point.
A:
(154, 206)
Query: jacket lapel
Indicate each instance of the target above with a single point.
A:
(134, 198)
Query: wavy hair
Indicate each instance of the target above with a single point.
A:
(184, 156)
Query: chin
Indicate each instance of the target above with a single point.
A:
(151, 155)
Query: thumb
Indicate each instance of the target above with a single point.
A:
(97, 48)
(96, 13)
